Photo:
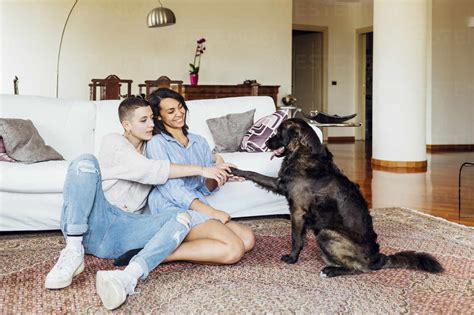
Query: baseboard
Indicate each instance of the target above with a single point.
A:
(449, 147)
(400, 166)
(341, 139)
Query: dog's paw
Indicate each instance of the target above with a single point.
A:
(289, 259)
(236, 171)
(329, 272)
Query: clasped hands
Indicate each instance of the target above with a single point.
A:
(221, 171)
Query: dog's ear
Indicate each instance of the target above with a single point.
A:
(286, 135)
(326, 153)
(320, 149)
(313, 142)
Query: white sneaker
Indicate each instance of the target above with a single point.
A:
(113, 286)
(70, 264)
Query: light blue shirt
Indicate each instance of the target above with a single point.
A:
(179, 192)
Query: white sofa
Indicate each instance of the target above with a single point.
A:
(31, 194)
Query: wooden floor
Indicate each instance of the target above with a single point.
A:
(434, 192)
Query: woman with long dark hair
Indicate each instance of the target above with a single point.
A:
(175, 143)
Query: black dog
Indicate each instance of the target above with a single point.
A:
(323, 199)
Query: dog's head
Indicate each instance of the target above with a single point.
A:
(292, 135)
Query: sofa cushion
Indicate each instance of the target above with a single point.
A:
(229, 130)
(256, 137)
(3, 155)
(2, 146)
(44, 177)
(66, 125)
(245, 199)
(201, 110)
(107, 121)
(251, 200)
(23, 142)
(28, 212)
(5, 158)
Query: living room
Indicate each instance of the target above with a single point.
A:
(252, 40)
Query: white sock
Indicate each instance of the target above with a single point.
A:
(74, 242)
(134, 269)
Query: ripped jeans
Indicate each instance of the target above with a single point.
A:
(109, 231)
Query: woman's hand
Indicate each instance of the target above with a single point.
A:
(226, 167)
(222, 216)
(230, 176)
(233, 178)
(218, 173)
(200, 206)
(218, 159)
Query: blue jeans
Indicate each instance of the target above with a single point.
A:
(196, 216)
(108, 230)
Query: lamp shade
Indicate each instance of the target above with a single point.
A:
(161, 16)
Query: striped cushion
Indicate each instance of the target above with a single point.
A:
(255, 138)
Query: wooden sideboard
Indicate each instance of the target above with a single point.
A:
(197, 92)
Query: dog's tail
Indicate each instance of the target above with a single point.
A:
(408, 260)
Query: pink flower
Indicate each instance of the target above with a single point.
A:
(194, 67)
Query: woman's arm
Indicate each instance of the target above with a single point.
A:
(218, 159)
(200, 206)
(156, 150)
(120, 160)
(211, 184)
(217, 174)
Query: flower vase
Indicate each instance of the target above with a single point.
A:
(194, 77)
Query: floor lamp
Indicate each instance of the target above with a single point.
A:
(157, 17)
(60, 46)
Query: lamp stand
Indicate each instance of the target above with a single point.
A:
(60, 46)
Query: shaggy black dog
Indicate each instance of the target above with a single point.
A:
(323, 199)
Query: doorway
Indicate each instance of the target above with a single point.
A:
(364, 51)
(309, 67)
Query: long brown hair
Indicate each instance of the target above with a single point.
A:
(155, 100)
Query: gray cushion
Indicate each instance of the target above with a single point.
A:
(23, 142)
(229, 130)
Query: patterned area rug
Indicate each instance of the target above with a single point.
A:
(260, 282)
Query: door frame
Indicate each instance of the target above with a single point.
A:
(360, 56)
(324, 31)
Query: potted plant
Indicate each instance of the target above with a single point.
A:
(194, 67)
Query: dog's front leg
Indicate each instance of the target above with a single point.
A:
(266, 182)
(297, 236)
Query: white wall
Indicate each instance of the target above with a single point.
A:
(364, 14)
(452, 112)
(30, 33)
(450, 62)
(340, 18)
(246, 39)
